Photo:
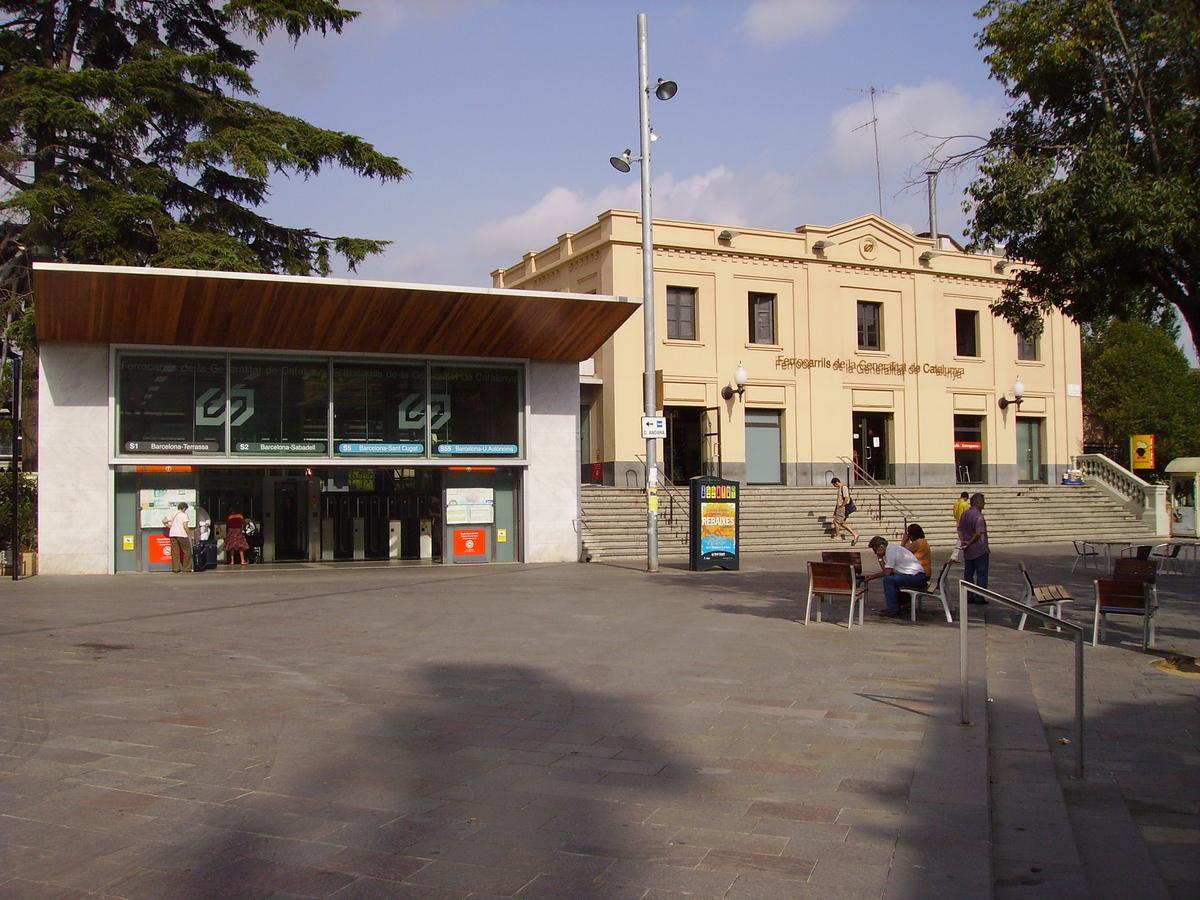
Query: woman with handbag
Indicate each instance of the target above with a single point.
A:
(842, 510)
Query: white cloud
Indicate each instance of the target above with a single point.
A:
(720, 196)
(906, 113)
(777, 21)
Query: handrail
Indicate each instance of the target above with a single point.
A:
(964, 588)
(860, 475)
(674, 492)
(1143, 499)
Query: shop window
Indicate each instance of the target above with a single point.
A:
(681, 314)
(170, 404)
(379, 409)
(475, 410)
(762, 318)
(966, 331)
(870, 325)
(279, 407)
(1028, 349)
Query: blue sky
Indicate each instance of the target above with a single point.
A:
(507, 111)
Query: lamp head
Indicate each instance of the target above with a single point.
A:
(621, 163)
(1018, 395)
(666, 90)
(739, 378)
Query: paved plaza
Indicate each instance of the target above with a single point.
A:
(579, 731)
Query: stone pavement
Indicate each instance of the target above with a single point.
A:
(552, 731)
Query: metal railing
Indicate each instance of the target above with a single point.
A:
(1144, 500)
(673, 494)
(860, 475)
(965, 588)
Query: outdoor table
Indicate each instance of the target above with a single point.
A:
(1107, 545)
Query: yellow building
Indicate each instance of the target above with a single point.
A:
(860, 343)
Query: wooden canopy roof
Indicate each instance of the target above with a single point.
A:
(114, 304)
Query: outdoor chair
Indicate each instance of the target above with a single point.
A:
(1167, 557)
(1124, 598)
(1052, 596)
(938, 593)
(1145, 570)
(1085, 553)
(834, 579)
(854, 558)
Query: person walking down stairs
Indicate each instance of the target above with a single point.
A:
(961, 505)
(842, 509)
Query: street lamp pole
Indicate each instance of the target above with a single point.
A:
(648, 380)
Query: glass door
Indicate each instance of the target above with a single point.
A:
(872, 444)
(1030, 468)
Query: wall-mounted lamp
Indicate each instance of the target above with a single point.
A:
(739, 378)
(727, 235)
(822, 246)
(1018, 395)
(927, 256)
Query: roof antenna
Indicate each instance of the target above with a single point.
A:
(874, 123)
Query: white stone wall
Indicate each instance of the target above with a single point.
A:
(552, 480)
(74, 508)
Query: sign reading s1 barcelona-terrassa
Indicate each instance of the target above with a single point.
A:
(870, 367)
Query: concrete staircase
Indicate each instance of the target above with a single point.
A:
(787, 519)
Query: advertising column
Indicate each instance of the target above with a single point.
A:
(715, 525)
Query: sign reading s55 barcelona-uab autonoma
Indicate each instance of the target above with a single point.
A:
(715, 524)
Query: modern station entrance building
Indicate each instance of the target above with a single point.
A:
(349, 420)
(862, 344)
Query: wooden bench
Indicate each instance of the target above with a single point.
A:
(937, 593)
(834, 579)
(1048, 595)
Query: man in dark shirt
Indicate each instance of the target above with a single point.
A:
(973, 536)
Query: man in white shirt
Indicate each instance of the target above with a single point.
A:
(180, 534)
(899, 568)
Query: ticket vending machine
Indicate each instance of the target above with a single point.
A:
(154, 505)
(470, 525)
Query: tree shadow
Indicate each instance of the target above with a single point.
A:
(487, 779)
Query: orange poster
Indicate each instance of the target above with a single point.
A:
(160, 549)
(470, 542)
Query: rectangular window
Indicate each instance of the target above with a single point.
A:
(870, 325)
(170, 404)
(966, 331)
(378, 409)
(681, 314)
(476, 410)
(1028, 349)
(279, 407)
(762, 318)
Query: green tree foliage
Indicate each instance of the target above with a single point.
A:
(26, 509)
(1094, 176)
(129, 136)
(1137, 381)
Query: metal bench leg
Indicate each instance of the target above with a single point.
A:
(808, 605)
(1096, 625)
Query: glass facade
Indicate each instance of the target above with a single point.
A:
(171, 404)
(279, 407)
(313, 407)
(476, 410)
(379, 409)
